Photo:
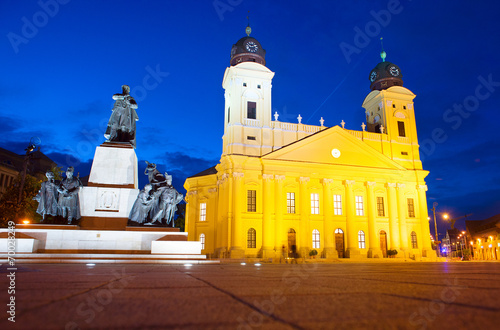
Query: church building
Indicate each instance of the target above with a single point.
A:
(289, 186)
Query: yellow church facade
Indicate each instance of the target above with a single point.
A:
(282, 187)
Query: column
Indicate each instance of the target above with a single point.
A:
(237, 235)
(393, 211)
(214, 210)
(329, 250)
(305, 210)
(373, 242)
(190, 221)
(267, 224)
(279, 232)
(424, 240)
(402, 207)
(351, 232)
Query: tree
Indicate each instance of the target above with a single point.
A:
(180, 220)
(11, 210)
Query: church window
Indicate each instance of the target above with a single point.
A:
(411, 208)
(404, 153)
(315, 239)
(251, 110)
(404, 107)
(258, 86)
(251, 138)
(251, 201)
(337, 204)
(380, 206)
(290, 202)
(414, 244)
(359, 206)
(202, 240)
(203, 211)
(393, 105)
(251, 238)
(314, 203)
(361, 240)
(244, 84)
(401, 128)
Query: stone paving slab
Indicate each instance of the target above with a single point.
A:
(351, 295)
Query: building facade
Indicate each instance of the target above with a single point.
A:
(483, 237)
(283, 186)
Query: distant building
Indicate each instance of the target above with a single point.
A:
(282, 186)
(485, 238)
(11, 164)
(450, 244)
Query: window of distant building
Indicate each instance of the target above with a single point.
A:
(203, 211)
(401, 128)
(290, 202)
(251, 110)
(411, 208)
(251, 238)
(251, 201)
(359, 206)
(361, 239)
(414, 240)
(314, 203)
(380, 206)
(202, 240)
(315, 239)
(337, 204)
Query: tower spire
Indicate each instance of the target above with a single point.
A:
(382, 52)
(248, 30)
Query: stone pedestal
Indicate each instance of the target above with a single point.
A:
(106, 202)
(375, 253)
(330, 253)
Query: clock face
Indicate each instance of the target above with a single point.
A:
(252, 46)
(336, 153)
(373, 76)
(394, 71)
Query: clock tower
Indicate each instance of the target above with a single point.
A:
(389, 110)
(247, 83)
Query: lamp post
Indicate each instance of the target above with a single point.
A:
(435, 228)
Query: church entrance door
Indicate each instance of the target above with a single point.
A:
(291, 242)
(339, 242)
(383, 243)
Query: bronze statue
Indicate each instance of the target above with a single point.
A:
(121, 125)
(69, 205)
(142, 206)
(47, 197)
(158, 202)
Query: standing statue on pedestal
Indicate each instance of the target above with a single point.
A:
(164, 201)
(142, 206)
(121, 125)
(47, 197)
(69, 205)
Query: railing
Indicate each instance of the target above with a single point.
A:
(402, 139)
(295, 127)
(252, 122)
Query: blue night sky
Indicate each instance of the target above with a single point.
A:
(60, 69)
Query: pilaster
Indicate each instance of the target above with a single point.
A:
(373, 244)
(279, 234)
(393, 211)
(267, 223)
(427, 250)
(352, 235)
(403, 235)
(329, 250)
(237, 235)
(305, 210)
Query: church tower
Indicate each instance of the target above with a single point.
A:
(389, 110)
(247, 85)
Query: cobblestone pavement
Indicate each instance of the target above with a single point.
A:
(342, 295)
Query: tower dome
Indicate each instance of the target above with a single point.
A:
(248, 49)
(385, 74)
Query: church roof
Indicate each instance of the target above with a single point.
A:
(208, 171)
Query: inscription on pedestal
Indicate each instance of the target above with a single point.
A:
(108, 199)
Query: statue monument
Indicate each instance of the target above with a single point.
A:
(47, 197)
(69, 205)
(157, 202)
(121, 125)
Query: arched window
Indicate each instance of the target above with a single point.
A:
(414, 244)
(251, 238)
(361, 239)
(202, 240)
(315, 239)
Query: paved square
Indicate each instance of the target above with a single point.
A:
(343, 295)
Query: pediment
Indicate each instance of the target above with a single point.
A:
(333, 146)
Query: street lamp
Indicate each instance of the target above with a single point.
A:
(435, 228)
